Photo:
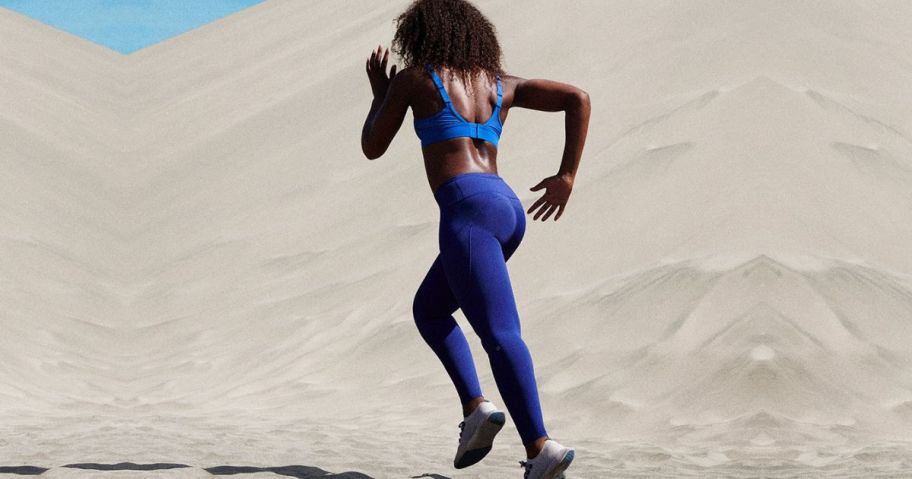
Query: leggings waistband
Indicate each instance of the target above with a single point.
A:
(464, 185)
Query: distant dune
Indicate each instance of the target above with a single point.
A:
(198, 265)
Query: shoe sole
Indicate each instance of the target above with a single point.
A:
(487, 431)
(559, 468)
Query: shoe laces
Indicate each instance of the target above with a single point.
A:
(527, 466)
(461, 429)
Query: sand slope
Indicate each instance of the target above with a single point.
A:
(198, 265)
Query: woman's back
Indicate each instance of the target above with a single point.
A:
(448, 123)
(459, 125)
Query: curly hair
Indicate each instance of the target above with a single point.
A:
(453, 33)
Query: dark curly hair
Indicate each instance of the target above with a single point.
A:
(453, 33)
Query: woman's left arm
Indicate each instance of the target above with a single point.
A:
(387, 110)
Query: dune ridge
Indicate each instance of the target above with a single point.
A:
(198, 265)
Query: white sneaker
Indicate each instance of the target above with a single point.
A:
(550, 463)
(477, 433)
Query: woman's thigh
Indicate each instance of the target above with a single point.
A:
(473, 252)
(434, 299)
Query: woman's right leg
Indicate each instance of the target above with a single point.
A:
(478, 235)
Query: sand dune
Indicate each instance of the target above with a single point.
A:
(198, 266)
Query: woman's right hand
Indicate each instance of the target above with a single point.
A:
(557, 192)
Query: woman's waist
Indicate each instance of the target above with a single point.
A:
(464, 185)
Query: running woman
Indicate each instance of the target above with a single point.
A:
(460, 97)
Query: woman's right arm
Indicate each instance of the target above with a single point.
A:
(548, 95)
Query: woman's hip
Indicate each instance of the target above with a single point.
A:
(479, 203)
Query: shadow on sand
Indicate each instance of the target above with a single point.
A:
(300, 472)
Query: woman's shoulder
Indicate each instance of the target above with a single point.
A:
(413, 76)
(413, 71)
(512, 79)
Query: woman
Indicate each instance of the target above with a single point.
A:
(458, 116)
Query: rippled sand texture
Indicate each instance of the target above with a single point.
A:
(198, 266)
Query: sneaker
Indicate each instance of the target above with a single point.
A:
(550, 463)
(476, 434)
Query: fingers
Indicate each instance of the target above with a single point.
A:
(374, 59)
(552, 209)
(539, 212)
(546, 208)
(535, 205)
(541, 205)
(378, 61)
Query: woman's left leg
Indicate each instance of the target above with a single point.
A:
(433, 308)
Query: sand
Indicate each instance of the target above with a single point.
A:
(198, 266)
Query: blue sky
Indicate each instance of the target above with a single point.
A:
(126, 25)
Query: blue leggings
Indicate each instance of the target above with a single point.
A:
(481, 224)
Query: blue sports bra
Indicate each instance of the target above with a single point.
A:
(448, 123)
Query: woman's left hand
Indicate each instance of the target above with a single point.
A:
(376, 71)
